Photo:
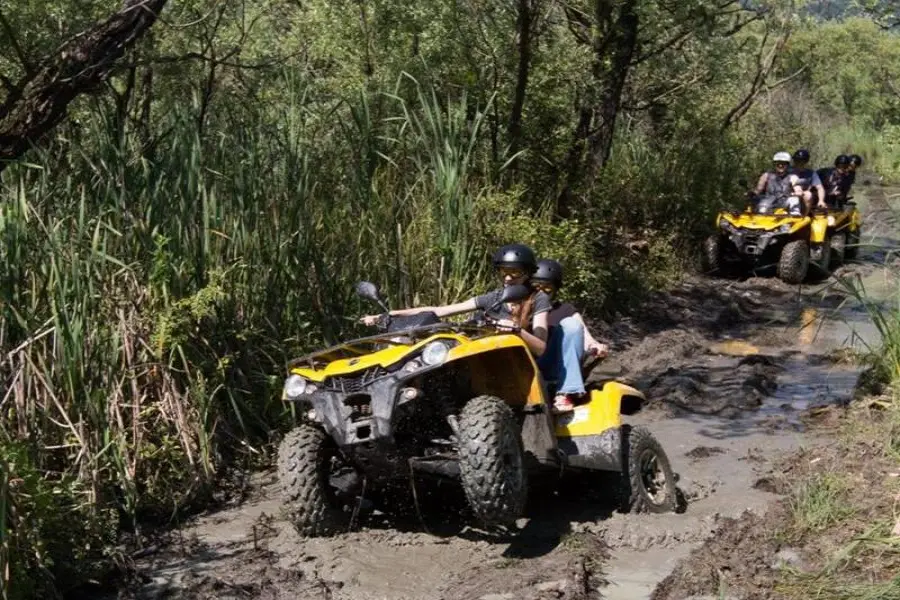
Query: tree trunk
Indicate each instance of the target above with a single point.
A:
(524, 28)
(613, 36)
(613, 72)
(40, 100)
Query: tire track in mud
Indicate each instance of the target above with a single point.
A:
(728, 367)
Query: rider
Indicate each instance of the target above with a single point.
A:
(569, 339)
(514, 263)
(809, 185)
(775, 188)
(837, 181)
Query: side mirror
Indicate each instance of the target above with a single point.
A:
(370, 291)
(515, 293)
(511, 293)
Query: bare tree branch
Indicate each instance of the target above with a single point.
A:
(77, 66)
(764, 67)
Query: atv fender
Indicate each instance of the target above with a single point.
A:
(484, 359)
(819, 230)
(590, 435)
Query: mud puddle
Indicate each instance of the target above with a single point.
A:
(729, 368)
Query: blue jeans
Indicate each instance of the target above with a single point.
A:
(561, 361)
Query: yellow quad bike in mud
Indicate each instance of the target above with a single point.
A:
(756, 239)
(463, 401)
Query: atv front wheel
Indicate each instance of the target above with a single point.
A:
(838, 249)
(712, 260)
(650, 481)
(491, 461)
(307, 459)
(794, 262)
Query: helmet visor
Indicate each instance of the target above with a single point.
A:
(512, 272)
(544, 286)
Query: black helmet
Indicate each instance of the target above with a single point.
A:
(856, 159)
(549, 271)
(516, 256)
(801, 155)
(842, 160)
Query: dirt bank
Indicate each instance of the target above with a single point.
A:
(728, 365)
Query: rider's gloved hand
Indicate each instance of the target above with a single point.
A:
(370, 320)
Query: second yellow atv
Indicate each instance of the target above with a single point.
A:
(463, 401)
(757, 240)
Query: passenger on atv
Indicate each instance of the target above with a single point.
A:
(515, 264)
(569, 341)
(809, 185)
(837, 181)
(775, 188)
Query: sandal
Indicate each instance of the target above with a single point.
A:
(562, 404)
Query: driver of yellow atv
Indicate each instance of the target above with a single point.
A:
(775, 189)
(514, 264)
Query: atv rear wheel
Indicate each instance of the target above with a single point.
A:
(307, 458)
(838, 248)
(650, 481)
(794, 262)
(711, 260)
(491, 461)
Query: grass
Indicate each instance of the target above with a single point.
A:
(818, 502)
(844, 514)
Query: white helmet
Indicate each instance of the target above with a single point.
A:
(782, 157)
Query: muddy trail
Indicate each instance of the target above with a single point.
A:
(730, 366)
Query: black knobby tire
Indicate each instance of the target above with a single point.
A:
(491, 461)
(305, 459)
(838, 249)
(793, 264)
(649, 479)
(852, 250)
(711, 261)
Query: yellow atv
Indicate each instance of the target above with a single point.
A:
(457, 400)
(756, 240)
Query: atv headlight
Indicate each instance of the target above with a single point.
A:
(435, 353)
(831, 220)
(786, 228)
(295, 386)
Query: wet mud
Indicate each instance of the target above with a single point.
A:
(730, 367)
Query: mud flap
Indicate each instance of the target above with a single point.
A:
(601, 452)
(538, 440)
